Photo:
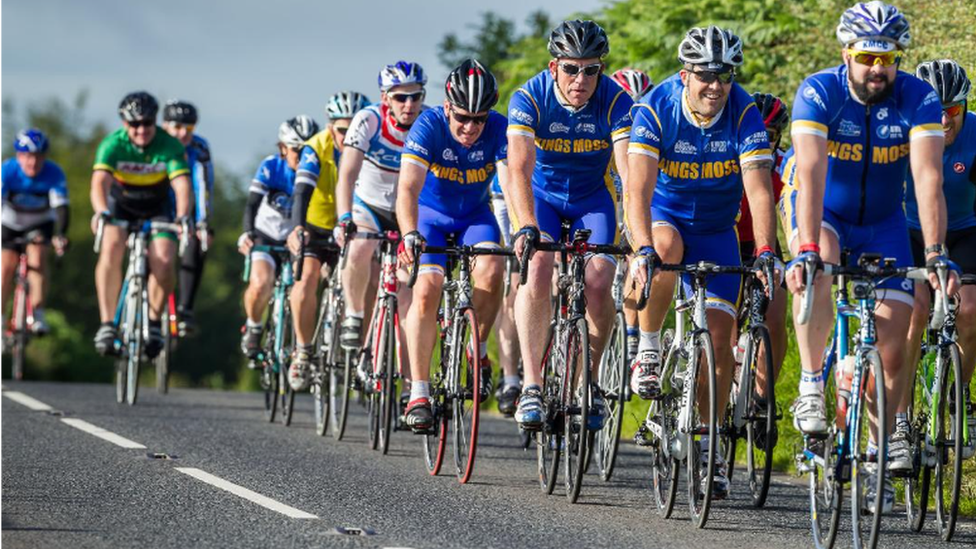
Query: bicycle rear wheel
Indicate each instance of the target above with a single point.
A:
(700, 478)
(386, 360)
(322, 393)
(549, 438)
(761, 420)
(284, 357)
(613, 380)
(269, 370)
(576, 406)
(20, 334)
(867, 526)
(140, 304)
(466, 401)
(949, 439)
(662, 424)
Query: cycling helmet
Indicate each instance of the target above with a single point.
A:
(774, 112)
(578, 40)
(180, 112)
(472, 87)
(947, 77)
(31, 140)
(712, 47)
(403, 72)
(345, 104)
(294, 132)
(138, 106)
(634, 81)
(873, 20)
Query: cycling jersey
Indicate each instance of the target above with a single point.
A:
(867, 145)
(699, 166)
(574, 147)
(958, 180)
(201, 177)
(319, 167)
(274, 180)
(157, 164)
(744, 225)
(29, 202)
(374, 132)
(458, 177)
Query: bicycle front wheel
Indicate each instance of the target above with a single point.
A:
(920, 416)
(339, 364)
(161, 362)
(20, 334)
(386, 364)
(613, 380)
(949, 439)
(467, 399)
(701, 475)
(283, 353)
(868, 472)
(139, 303)
(322, 393)
(269, 370)
(549, 438)
(576, 406)
(760, 419)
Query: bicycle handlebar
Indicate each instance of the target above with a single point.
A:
(810, 266)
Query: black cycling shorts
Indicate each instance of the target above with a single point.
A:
(16, 240)
(961, 244)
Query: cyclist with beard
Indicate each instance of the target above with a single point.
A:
(853, 129)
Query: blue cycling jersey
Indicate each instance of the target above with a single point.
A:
(699, 162)
(867, 145)
(275, 180)
(457, 177)
(958, 181)
(29, 201)
(574, 147)
(201, 177)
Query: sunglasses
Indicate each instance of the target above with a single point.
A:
(464, 118)
(708, 77)
(953, 111)
(572, 69)
(340, 131)
(142, 123)
(404, 97)
(872, 59)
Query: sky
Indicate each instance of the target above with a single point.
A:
(246, 64)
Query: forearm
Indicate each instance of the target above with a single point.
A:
(408, 194)
(349, 167)
(184, 195)
(757, 180)
(251, 210)
(98, 194)
(639, 188)
(926, 166)
(299, 203)
(811, 172)
(61, 220)
(521, 163)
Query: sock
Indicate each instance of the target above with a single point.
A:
(254, 323)
(419, 389)
(354, 314)
(811, 383)
(510, 381)
(650, 341)
(901, 417)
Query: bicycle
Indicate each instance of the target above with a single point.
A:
(325, 341)
(455, 377)
(840, 456)
(567, 388)
(939, 424)
(132, 312)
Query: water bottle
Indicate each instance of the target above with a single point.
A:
(845, 375)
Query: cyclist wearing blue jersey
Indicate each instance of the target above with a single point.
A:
(268, 221)
(568, 126)
(698, 141)
(35, 205)
(449, 159)
(959, 185)
(179, 120)
(856, 129)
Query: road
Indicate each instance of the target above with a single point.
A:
(233, 480)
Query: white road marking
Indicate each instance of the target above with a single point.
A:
(249, 495)
(30, 402)
(102, 433)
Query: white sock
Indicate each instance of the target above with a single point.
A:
(254, 323)
(650, 341)
(510, 381)
(354, 314)
(419, 389)
(811, 383)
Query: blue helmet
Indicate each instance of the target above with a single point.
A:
(403, 72)
(31, 140)
(873, 20)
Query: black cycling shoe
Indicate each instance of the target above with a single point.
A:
(251, 341)
(420, 417)
(155, 344)
(508, 400)
(105, 339)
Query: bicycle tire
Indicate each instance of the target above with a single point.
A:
(920, 417)
(664, 468)
(339, 364)
(576, 407)
(269, 371)
(759, 461)
(435, 443)
(549, 438)
(613, 379)
(870, 360)
(388, 364)
(136, 342)
(321, 389)
(466, 402)
(948, 464)
(20, 330)
(284, 354)
(161, 362)
(699, 505)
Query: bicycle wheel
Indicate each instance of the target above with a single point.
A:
(321, 394)
(161, 362)
(549, 439)
(284, 351)
(613, 379)
(20, 334)
(920, 417)
(269, 371)
(949, 439)
(386, 360)
(139, 303)
(576, 406)
(700, 478)
(761, 420)
(339, 364)
(435, 443)
(466, 401)
(865, 526)
(663, 418)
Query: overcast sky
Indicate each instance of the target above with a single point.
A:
(246, 64)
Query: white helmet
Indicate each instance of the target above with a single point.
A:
(294, 132)
(713, 47)
(873, 20)
(345, 105)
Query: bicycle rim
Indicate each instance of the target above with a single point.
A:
(322, 394)
(20, 339)
(576, 407)
(613, 379)
(761, 421)
(161, 362)
(700, 479)
(862, 523)
(468, 399)
(387, 381)
(664, 468)
(339, 393)
(136, 344)
(269, 372)
(284, 354)
(549, 438)
(948, 463)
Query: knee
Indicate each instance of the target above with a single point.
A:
(427, 294)
(491, 273)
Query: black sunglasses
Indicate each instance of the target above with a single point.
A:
(404, 97)
(142, 123)
(572, 69)
(707, 77)
(464, 118)
(340, 130)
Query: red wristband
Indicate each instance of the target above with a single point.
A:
(762, 250)
(810, 247)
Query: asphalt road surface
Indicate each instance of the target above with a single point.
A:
(76, 472)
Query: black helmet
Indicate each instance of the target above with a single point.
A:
(472, 87)
(947, 77)
(138, 106)
(774, 113)
(578, 40)
(181, 112)
(715, 48)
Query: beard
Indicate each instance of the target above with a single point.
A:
(868, 96)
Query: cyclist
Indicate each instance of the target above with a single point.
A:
(448, 161)
(35, 201)
(268, 222)
(853, 128)
(508, 390)
(959, 185)
(314, 217)
(567, 126)
(371, 161)
(135, 166)
(179, 120)
(698, 141)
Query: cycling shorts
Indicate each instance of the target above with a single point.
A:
(961, 244)
(596, 212)
(372, 219)
(477, 228)
(45, 231)
(321, 246)
(261, 239)
(122, 207)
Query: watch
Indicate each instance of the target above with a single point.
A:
(937, 248)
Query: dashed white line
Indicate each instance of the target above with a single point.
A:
(30, 402)
(102, 433)
(249, 495)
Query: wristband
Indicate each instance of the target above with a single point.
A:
(810, 247)
(345, 217)
(765, 249)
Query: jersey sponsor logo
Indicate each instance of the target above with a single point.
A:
(887, 155)
(140, 167)
(476, 156)
(561, 145)
(810, 93)
(266, 173)
(585, 127)
(644, 132)
(719, 146)
(906, 285)
(890, 132)
(882, 113)
(848, 129)
(698, 170)
(414, 146)
(310, 158)
(684, 147)
(463, 177)
(384, 156)
(932, 97)
(756, 138)
(556, 127)
(521, 116)
(853, 152)
(280, 202)
(449, 155)
(959, 167)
